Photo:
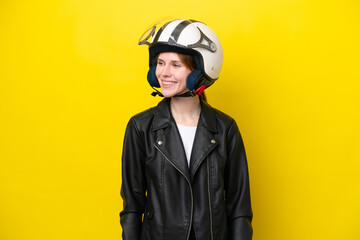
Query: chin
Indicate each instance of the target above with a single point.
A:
(168, 93)
(173, 92)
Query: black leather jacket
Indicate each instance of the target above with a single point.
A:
(211, 196)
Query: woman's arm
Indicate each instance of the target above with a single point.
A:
(237, 189)
(133, 188)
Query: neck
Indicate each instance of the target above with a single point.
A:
(186, 110)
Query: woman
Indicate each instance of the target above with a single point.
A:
(184, 169)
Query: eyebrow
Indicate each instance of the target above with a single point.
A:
(172, 61)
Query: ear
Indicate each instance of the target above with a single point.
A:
(192, 79)
(151, 77)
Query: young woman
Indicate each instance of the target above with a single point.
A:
(184, 169)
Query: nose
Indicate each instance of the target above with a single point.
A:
(166, 71)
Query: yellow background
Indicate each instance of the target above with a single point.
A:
(71, 75)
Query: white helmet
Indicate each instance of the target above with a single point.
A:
(188, 37)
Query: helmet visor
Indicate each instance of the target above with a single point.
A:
(149, 36)
(168, 32)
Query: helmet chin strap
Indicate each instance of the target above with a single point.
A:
(156, 92)
(186, 94)
(192, 93)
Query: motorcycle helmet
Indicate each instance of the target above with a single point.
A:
(187, 37)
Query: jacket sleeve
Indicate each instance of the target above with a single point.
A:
(133, 188)
(237, 189)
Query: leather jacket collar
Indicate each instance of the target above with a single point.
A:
(170, 140)
(163, 115)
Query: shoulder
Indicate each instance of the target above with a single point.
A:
(142, 119)
(221, 117)
(150, 113)
(144, 115)
(224, 122)
(227, 125)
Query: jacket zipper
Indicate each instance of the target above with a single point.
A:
(191, 191)
(210, 209)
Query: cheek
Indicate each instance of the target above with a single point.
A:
(157, 72)
(185, 74)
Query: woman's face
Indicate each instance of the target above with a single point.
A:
(171, 74)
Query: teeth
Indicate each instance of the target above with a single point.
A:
(167, 82)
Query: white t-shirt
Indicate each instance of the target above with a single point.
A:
(187, 134)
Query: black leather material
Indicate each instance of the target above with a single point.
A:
(212, 196)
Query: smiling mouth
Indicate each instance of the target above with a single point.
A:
(167, 83)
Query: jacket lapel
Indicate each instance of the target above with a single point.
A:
(170, 143)
(204, 141)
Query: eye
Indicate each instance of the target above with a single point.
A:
(160, 63)
(177, 65)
